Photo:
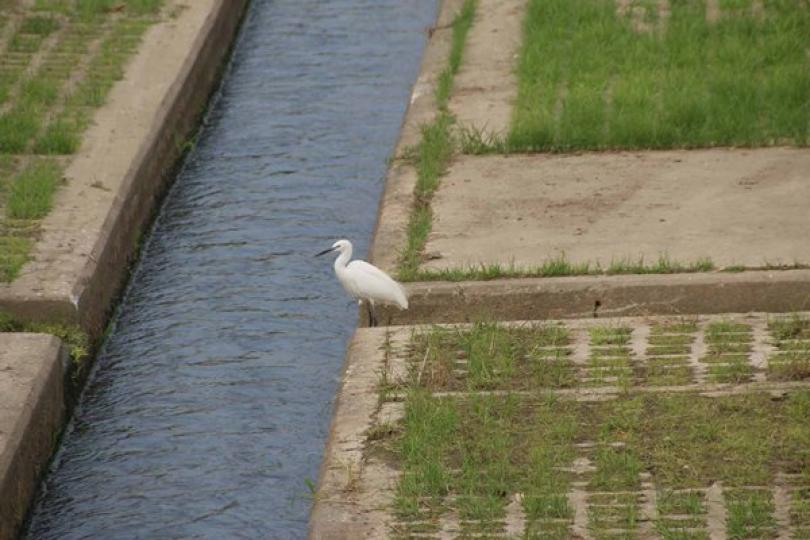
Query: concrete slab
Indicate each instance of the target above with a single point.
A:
(358, 481)
(485, 87)
(400, 180)
(739, 207)
(31, 413)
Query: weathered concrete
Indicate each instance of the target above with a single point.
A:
(32, 409)
(354, 492)
(738, 206)
(355, 496)
(397, 199)
(81, 259)
(572, 297)
(485, 87)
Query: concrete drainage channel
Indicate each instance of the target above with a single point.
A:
(609, 344)
(81, 259)
(220, 302)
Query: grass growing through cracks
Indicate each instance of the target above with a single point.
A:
(559, 266)
(61, 62)
(473, 454)
(791, 361)
(31, 192)
(588, 80)
(432, 155)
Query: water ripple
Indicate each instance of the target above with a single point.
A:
(211, 398)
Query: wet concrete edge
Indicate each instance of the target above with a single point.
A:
(97, 285)
(31, 435)
(344, 507)
(334, 516)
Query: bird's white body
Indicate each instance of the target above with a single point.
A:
(364, 281)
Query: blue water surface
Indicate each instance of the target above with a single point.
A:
(211, 398)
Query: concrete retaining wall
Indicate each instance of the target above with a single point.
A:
(32, 409)
(603, 296)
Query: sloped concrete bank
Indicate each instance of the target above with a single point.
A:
(81, 260)
(356, 490)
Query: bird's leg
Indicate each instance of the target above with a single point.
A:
(372, 317)
(370, 312)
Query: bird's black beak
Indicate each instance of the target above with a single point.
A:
(324, 252)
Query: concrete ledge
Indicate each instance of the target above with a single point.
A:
(608, 296)
(390, 231)
(32, 408)
(88, 241)
(351, 499)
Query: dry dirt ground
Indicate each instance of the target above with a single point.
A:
(738, 207)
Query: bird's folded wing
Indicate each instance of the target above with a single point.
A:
(373, 283)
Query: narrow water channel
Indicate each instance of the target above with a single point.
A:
(211, 398)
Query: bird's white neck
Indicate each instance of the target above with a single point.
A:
(343, 259)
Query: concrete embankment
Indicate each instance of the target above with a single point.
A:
(736, 208)
(81, 259)
(123, 167)
(32, 410)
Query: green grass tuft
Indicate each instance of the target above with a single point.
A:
(557, 266)
(17, 127)
(588, 80)
(60, 137)
(31, 192)
(13, 255)
(39, 25)
(461, 26)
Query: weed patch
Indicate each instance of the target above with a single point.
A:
(433, 152)
(791, 337)
(61, 62)
(470, 456)
(587, 79)
(558, 266)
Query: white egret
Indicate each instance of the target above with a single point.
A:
(364, 281)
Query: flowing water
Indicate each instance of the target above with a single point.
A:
(210, 402)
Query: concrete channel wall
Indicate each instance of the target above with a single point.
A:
(332, 516)
(89, 240)
(32, 410)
